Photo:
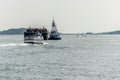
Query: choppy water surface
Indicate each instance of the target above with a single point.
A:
(72, 58)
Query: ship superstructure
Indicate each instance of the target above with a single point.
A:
(35, 35)
(54, 34)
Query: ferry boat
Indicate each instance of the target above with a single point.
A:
(54, 34)
(35, 35)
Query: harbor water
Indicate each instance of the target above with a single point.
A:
(95, 57)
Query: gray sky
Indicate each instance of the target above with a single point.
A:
(70, 15)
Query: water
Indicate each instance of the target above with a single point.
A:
(72, 58)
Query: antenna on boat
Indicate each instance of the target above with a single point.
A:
(53, 17)
(53, 23)
(29, 27)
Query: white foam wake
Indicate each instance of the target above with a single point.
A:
(13, 44)
(44, 43)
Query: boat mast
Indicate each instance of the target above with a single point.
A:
(53, 25)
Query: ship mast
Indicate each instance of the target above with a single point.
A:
(54, 28)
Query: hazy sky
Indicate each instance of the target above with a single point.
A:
(70, 15)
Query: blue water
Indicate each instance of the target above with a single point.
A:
(72, 58)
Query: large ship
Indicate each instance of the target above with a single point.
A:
(35, 35)
(54, 34)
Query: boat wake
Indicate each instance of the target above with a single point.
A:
(44, 43)
(18, 44)
(13, 44)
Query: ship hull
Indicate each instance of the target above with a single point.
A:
(33, 42)
(54, 38)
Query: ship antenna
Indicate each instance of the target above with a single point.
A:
(29, 27)
(53, 18)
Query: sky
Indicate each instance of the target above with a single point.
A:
(71, 16)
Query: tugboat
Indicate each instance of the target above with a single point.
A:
(54, 34)
(35, 35)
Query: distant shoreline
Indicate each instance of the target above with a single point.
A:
(20, 31)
